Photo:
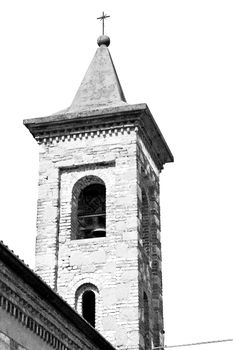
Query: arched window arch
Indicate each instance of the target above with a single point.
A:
(86, 302)
(88, 212)
(145, 222)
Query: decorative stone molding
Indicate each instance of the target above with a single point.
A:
(103, 122)
(83, 133)
(87, 166)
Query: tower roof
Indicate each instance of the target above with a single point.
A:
(100, 104)
(100, 86)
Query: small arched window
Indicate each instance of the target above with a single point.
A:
(88, 306)
(88, 217)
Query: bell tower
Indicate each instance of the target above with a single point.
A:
(98, 223)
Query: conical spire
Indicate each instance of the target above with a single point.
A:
(100, 86)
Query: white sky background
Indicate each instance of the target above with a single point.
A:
(175, 55)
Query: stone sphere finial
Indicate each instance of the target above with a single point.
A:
(103, 40)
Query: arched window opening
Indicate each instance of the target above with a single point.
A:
(145, 222)
(88, 208)
(146, 322)
(91, 211)
(88, 307)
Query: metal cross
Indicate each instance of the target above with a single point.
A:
(102, 18)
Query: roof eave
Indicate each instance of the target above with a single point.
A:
(138, 114)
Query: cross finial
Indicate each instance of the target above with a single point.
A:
(102, 18)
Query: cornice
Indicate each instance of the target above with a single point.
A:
(101, 123)
(69, 134)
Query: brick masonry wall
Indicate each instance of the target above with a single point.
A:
(116, 267)
(109, 263)
(150, 274)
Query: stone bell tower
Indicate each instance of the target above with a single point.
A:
(98, 224)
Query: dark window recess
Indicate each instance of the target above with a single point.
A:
(88, 307)
(92, 212)
(146, 322)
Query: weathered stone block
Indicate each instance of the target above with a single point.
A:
(109, 323)
(121, 337)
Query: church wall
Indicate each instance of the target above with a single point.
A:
(109, 263)
(150, 275)
(8, 343)
(14, 336)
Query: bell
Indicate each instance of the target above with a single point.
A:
(99, 231)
